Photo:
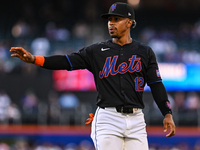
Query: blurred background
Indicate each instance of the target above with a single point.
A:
(46, 110)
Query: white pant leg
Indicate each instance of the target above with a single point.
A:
(109, 142)
(115, 131)
(106, 130)
(136, 136)
(136, 144)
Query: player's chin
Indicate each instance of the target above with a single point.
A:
(113, 35)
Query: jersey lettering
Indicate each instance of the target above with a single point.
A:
(109, 66)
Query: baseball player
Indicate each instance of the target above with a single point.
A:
(121, 67)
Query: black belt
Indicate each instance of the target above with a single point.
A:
(122, 109)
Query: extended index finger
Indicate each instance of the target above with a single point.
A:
(18, 50)
(15, 49)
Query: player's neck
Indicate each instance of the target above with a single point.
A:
(122, 41)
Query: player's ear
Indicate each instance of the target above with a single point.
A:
(129, 23)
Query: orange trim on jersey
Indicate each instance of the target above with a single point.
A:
(39, 60)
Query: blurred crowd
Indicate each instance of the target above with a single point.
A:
(176, 44)
(66, 108)
(179, 146)
(63, 109)
(62, 27)
(180, 44)
(26, 144)
(185, 107)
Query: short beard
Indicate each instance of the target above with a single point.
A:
(114, 36)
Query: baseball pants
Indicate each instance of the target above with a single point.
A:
(112, 130)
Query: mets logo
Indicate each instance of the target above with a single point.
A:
(113, 7)
(110, 63)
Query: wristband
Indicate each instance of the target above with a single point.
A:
(39, 60)
(165, 107)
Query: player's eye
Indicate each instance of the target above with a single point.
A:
(116, 19)
(109, 19)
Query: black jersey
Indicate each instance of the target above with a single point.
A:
(120, 72)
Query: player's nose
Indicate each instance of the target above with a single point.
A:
(110, 23)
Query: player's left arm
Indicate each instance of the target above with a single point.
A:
(160, 96)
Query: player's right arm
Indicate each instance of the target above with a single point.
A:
(74, 61)
(57, 62)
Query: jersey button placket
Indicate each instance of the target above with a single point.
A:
(121, 75)
(121, 52)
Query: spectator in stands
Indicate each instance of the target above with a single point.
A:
(13, 114)
(29, 103)
(40, 46)
(68, 103)
(197, 145)
(4, 104)
(192, 101)
(54, 110)
(179, 98)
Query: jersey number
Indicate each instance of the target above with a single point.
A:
(139, 81)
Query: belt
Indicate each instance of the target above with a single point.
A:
(124, 109)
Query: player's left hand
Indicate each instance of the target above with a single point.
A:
(169, 122)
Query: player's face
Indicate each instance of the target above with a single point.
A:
(118, 26)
